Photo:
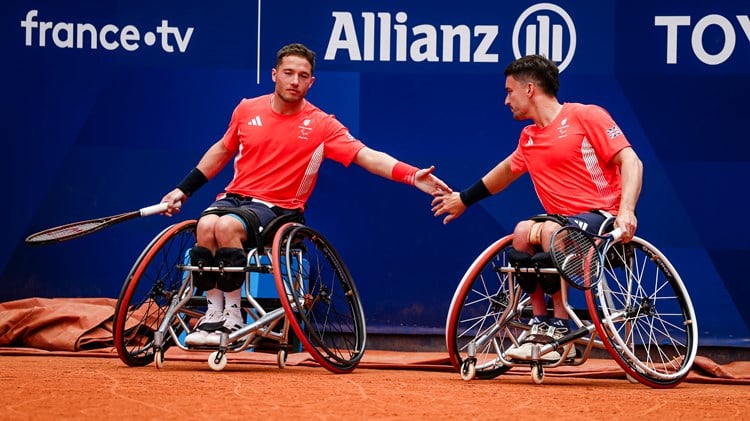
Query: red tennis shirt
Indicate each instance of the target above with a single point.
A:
(569, 160)
(278, 156)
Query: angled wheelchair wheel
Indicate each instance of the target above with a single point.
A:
(482, 318)
(644, 315)
(319, 297)
(147, 293)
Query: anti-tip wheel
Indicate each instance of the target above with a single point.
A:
(468, 369)
(537, 373)
(216, 362)
(159, 358)
(281, 358)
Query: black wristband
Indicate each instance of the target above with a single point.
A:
(192, 182)
(475, 193)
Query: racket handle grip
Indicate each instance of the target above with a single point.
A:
(154, 209)
(616, 234)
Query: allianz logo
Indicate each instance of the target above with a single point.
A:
(543, 28)
(109, 37)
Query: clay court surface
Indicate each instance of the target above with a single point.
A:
(57, 361)
(386, 385)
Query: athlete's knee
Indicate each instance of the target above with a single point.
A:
(204, 230)
(230, 257)
(521, 235)
(228, 226)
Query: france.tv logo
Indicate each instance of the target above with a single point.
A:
(545, 29)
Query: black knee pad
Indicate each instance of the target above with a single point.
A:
(202, 257)
(549, 282)
(526, 280)
(230, 257)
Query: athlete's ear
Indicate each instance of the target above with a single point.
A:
(273, 75)
(529, 89)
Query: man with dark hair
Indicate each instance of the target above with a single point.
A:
(583, 169)
(278, 142)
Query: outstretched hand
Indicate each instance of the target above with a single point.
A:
(448, 203)
(424, 180)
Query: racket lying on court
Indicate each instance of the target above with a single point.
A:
(81, 228)
(579, 255)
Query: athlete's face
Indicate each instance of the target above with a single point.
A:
(517, 97)
(293, 78)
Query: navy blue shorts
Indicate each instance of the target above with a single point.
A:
(265, 212)
(592, 222)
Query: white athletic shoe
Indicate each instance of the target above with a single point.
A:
(539, 334)
(210, 322)
(231, 321)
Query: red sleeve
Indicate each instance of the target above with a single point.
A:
(605, 135)
(232, 136)
(340, 145)
(517, 161)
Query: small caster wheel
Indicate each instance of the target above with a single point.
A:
(537, 373)
(159, 358)
(468, 369)
(281, 358)
(217, 361)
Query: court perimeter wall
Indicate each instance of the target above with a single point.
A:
(107, 104)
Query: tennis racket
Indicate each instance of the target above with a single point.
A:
(81, 228)
(579, 255)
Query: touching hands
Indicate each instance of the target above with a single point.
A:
(424, 180)
(448, 203)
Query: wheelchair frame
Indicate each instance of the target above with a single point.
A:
(317, 300)
(639, 311)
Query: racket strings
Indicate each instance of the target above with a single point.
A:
(63, 232)
(576, 257)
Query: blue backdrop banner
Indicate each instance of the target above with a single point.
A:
(109, 103)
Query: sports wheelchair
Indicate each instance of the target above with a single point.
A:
(639, 311)
(316, 298)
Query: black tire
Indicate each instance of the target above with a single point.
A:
(645, 317)
(145, 297)
(319, 297)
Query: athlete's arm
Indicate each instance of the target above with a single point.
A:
(384, 165)
(631, 171)
(495, 181)
(215, 158)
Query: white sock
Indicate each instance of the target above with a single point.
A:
(232, 302)
(215, 298)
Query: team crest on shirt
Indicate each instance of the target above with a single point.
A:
(304, 129)
(613, 132)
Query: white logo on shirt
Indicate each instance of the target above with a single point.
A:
(304, 129)
(530, 142)
(255, 121)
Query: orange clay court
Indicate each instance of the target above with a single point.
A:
(64, 367)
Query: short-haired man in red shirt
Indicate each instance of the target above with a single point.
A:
(278, 142)
(583, 169)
